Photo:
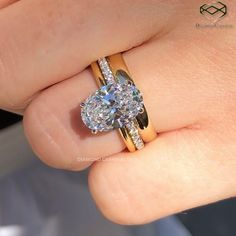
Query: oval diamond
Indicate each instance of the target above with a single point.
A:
(112, 106)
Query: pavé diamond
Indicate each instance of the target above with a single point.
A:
(112, 106)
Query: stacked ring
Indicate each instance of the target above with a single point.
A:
(117, 104)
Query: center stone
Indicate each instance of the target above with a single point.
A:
(112, 106)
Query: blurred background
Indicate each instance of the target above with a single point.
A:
(213, 220)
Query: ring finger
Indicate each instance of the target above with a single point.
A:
(57, 134)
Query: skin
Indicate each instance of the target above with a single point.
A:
(187, 78)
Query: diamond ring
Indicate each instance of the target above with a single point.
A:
(117, 104)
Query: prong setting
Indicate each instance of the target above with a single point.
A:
(130, 82)
(141, 111)
(94, 131)
(82, 104)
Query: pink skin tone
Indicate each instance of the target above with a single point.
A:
(186, 75)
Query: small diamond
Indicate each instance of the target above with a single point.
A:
(106, 71)
(133, 131)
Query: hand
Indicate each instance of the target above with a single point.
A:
(187, 78)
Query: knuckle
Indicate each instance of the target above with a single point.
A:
(43, 133)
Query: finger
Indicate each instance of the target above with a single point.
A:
(47, 41)
(178, 171)
(175, 94)
(54, 128)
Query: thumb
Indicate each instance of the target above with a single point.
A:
(177, 171)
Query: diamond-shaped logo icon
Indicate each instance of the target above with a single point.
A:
(214, 11)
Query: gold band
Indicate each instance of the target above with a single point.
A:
(145, 128)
